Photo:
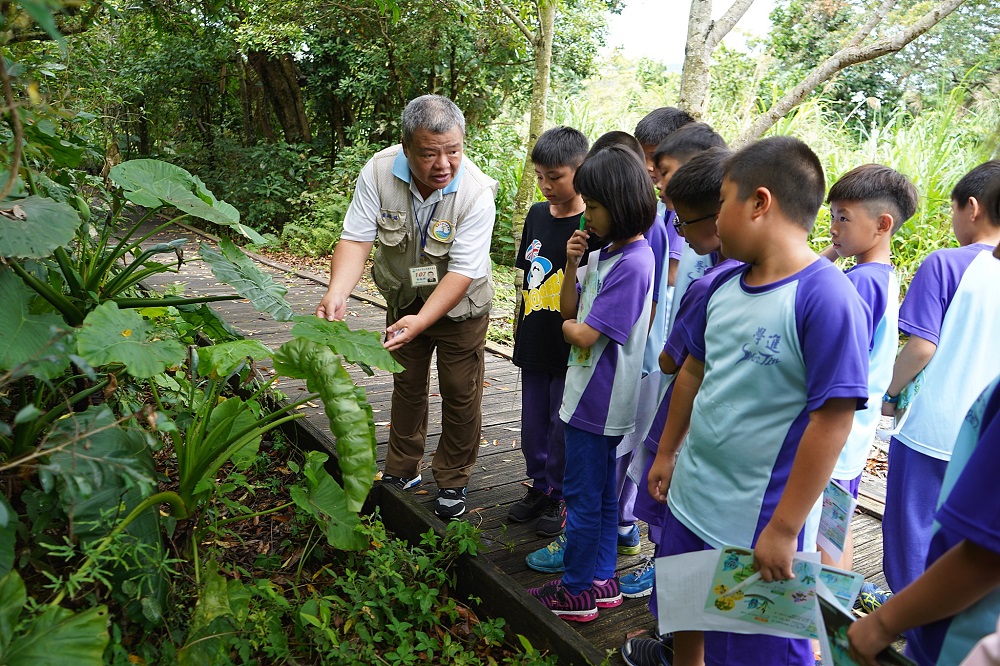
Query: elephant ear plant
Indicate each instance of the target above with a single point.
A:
(97, 375)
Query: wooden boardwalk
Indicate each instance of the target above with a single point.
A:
(498, 478)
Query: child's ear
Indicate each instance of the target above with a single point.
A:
(975, 209)
(761, 200)
(885, 223)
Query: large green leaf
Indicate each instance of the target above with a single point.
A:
(348, 411)
(207, 322)
(325, 501)
(152, 183)
(50, 140)
(8, 537)
(362, 347)
(58, 637)
(33, 228)
(223, 359)
(235, 268)
(95, 461)
(12, 599)
(208, 638)
(110, 335)
(228, 418)
(24, 336)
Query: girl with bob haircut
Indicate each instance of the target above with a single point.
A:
(606, 322)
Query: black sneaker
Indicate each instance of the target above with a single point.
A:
(647, 652)
(401, 482)
(450, 503)
(553, 520)
(528, 507)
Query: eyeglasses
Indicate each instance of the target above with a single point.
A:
(679, 226)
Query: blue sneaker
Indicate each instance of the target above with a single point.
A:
(870, 598)
(638, 583)
(550, 558)
(628, 543)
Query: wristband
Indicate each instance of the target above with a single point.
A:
(892, 400)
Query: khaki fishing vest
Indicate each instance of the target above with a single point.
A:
(398, 248)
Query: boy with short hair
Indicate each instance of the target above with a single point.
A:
(951, 314)
(539, 348)
(672, 153)
(955, 602)
(867, 206)
(778, 350)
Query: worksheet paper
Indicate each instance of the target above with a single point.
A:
(717, 590)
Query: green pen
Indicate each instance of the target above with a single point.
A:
(583, 222)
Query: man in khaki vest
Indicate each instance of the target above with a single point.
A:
(432, 212)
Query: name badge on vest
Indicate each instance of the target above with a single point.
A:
(442, 231)
(423, 276)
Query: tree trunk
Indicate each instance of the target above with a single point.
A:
(542, 46)
(695, 75)
(703, 36)
(281, 86)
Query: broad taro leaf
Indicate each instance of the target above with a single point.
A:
(204, 318)
(59, 636)
(223, 359)
(104, 471)
(325, 501)
(235, 268)
(96, 461)
(361, 347)
(349, 413)
(222, 430)
(212, 624)
(24, 336)
(48, 139)
(110, 335)
(36, 228)
(152, 183)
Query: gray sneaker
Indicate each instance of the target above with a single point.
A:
(450, 503)
(401, 482)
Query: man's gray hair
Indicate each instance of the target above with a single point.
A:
(433, 113)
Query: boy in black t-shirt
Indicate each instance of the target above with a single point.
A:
(539, 348)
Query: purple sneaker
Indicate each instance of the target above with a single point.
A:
(570, 607)
(607, 594)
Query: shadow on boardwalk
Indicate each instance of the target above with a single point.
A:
(498, 478)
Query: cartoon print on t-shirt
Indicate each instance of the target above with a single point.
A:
(540, 267)
(543, 284)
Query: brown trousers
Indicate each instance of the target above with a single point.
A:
(461, 365)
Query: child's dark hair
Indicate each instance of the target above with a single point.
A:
(697, 183)
(614, 178)
(618, 138)
(879, 189)
(560, 146)
(788, 168)
(976, 183)
(991, 203)
(659, 123)
(688, 141)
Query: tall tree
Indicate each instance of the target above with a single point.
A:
(540, 41)
(892, 27)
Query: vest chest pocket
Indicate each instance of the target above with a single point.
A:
(393, 229)
(440, 236)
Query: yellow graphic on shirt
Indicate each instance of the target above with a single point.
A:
(545, 296)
